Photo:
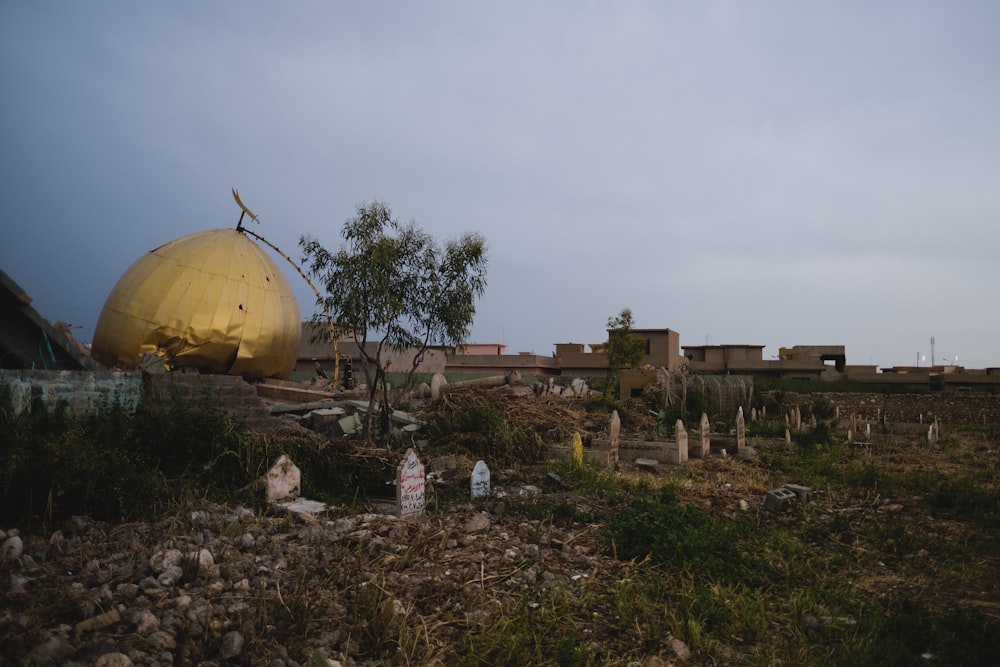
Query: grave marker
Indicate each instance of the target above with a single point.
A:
(480, 480)
(704, 446)
(678, 452)
(578, 449)
(411, 485)
(614, 434)
(741, 430)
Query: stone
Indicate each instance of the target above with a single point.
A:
(161, 560)
(478, 523)
(803, 493)
(162, 641)
(480, 480)
(679, 648)
(614, 438)
(438, 385)
(651, 464)
(146, 622)
(53, 651)
(777, 500)
(113, 660)
(12, 549)
(349, 425)
(231, 645)
(283, 480)
(788, 437)
(741, 430)
(703, 446)
(411, 483)
(679, 452)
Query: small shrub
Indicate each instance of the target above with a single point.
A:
(480, 427)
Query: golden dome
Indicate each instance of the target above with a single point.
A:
(211, 300)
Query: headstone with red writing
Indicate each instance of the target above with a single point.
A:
(410, 486)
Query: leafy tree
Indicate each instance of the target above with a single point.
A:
(624, 348)
(392, 285)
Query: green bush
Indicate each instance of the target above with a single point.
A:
(117, 466)
(56, 464)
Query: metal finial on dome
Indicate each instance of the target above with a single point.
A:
(246, 211)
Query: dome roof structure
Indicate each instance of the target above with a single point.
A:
(211, 300)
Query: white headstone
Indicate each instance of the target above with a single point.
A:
(283, 480)
(411, 484)
(438, 384)
(681, 434)
(480, 480)
(741, 430)
(704, 446)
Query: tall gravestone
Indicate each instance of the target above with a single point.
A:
(679, 451)
(741, 430)
(411, 484)
(480, 480)
(614, 435)
(703, 447)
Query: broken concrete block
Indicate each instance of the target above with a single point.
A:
(777, 500)
(803, 493)
(350, 425)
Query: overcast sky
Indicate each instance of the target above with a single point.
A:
(758, 172)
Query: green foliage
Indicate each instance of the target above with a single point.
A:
(967, 499)
(766, 428)
(822, 434)
(624, 349)
(823, 408)
(478, 426)
(666, 531)
(117, 466)
(56, 464)
(394, 282)
(902, 631)
(694, 405)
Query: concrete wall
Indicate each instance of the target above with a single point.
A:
(87, 392)
(81, 391)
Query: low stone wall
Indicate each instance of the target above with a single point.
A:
(232, 394)
(81, 391)
(86, 392)
(970, 408)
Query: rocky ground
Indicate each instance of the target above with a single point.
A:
(215, 584)
(232, 584)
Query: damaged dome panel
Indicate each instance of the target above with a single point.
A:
(211, 300)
